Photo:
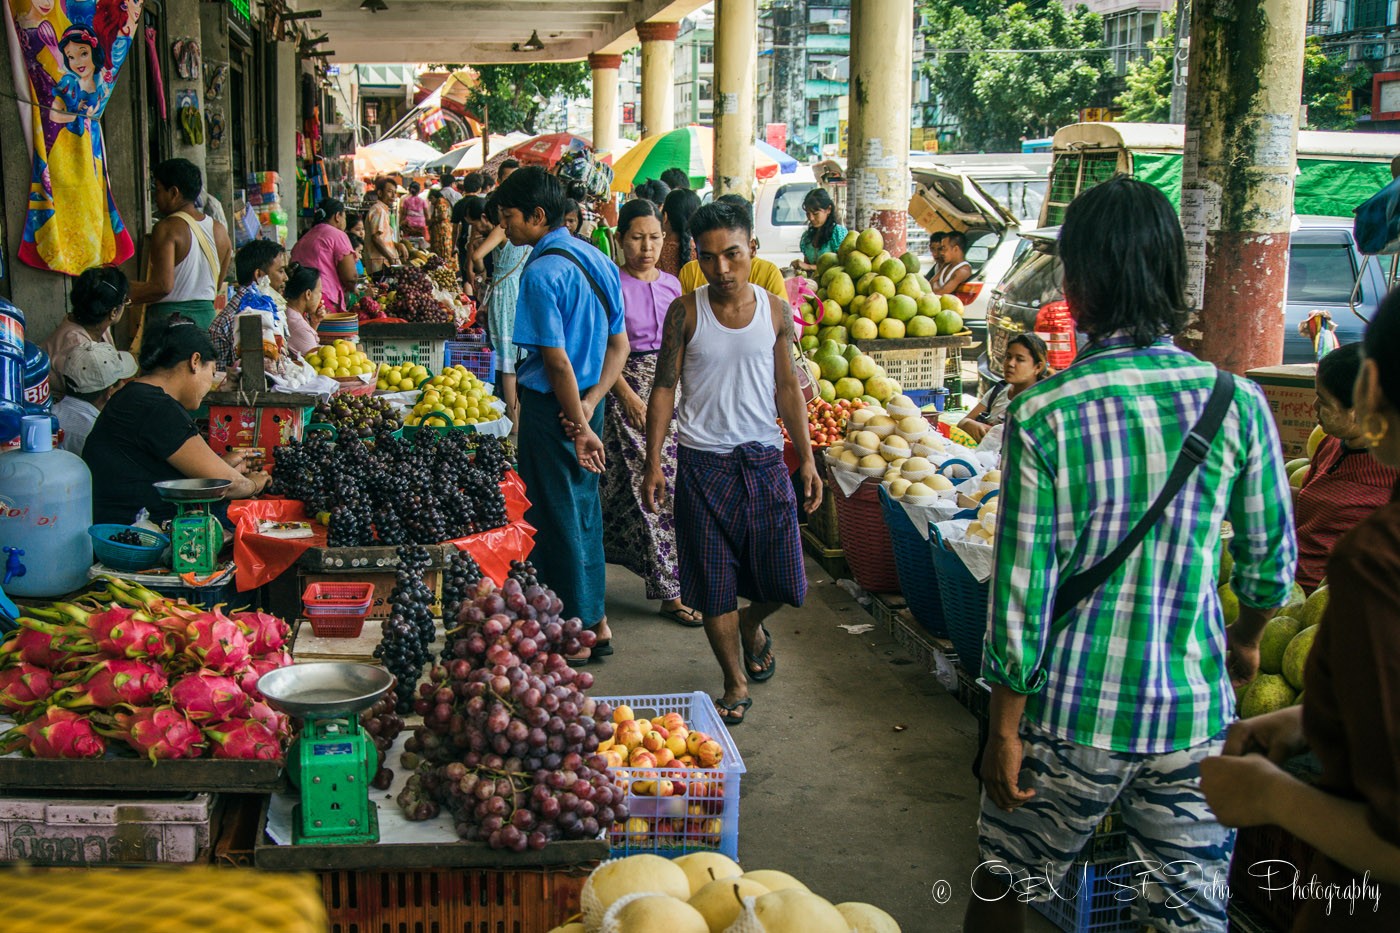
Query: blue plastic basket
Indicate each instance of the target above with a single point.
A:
(917, 580)
(127, 557)
(1095, 898)
(677, 825)
(474, 355)
(964, 602)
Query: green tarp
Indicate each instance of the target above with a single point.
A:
(1325, 187)
(1335, 189)
(1162, 171)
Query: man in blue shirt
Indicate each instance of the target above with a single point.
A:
(569, 322)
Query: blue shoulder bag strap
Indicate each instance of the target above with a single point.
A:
(1193, 453)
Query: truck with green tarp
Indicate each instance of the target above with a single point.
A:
(1336, 171)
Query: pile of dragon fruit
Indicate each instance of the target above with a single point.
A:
(129, 668)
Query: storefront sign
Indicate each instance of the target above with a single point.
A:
(66, 56)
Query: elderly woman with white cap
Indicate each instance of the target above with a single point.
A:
(93, 373)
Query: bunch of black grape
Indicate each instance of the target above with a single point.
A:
(383, 725)
(360, 415)
(491, 457)
(409, 630)
(461, 583)
(509, 738)
(126, 536)
(395, 491)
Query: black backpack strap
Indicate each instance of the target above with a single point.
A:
(597, 289)
(1194, 449)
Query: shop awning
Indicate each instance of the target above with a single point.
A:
(484, 32)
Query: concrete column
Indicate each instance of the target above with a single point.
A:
(605, 116)
(218, 163)
(878, 161)
(736, 77)
(658, 76)
(288, 122)
(183, 19)
(1244, 82)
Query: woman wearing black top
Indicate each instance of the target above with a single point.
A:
(145, 433)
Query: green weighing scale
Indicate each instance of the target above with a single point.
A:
(195, 533)
(333, 760)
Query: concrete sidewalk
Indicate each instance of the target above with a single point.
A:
(858, 780)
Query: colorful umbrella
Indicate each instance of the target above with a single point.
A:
(466, 157)
(391, 155)
(544, 150)
(690, 149)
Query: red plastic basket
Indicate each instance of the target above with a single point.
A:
(336, 626)
(337, 610)
(866, 537)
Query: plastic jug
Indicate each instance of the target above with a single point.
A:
(11, 370)
(38, 398)
(45, 510)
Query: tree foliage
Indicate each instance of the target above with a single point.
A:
(1326, 85)
(510, 97)
(1147, 98)
(1000, 97)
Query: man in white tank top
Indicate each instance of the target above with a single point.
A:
(735, 511)
(955, 269)
(189, 250)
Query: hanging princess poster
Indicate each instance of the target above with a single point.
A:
(67, 55)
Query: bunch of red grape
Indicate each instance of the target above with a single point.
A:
(509, 739)
(414, 299)
(383, 726)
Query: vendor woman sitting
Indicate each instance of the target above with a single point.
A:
(145, 433)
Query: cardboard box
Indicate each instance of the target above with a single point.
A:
(1291, 391)
(263, 428)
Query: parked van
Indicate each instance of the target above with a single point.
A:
(778, 218)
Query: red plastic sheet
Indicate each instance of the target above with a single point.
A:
(259, 559)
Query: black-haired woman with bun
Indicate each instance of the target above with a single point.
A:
(327, 248)
(145, 433)
(98, 300)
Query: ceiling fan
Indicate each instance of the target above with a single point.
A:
(374, 6)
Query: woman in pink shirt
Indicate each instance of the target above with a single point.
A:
(304, 307)
(642, 541)
(327, 249)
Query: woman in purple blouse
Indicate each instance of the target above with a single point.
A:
(642, 541)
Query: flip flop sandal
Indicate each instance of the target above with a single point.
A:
(603, 648)
(687, 618)
(765, 671)
(732, 714)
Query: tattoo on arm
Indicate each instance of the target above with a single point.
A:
(787, 337)
(668, 363)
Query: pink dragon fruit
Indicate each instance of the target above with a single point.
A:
(208, 696)
(119, 633)
(112, 682)
(25, 685)
(279, 723)
(36, 648)
(56, 733)
(218, 643)
(245, 739)
(161, 732)
(266, 633)
(248, 677)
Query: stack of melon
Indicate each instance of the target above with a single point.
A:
(866, 293)
(1284, 647)
(1299, 469)
(897, 445)
(706, 892)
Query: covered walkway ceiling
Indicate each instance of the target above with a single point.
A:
(479, 32)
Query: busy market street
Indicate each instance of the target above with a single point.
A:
(671, 466)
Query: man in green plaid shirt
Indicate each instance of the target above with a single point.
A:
(1118, 700)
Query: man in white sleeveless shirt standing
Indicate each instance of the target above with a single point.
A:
(189, 250)
(735, 512)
